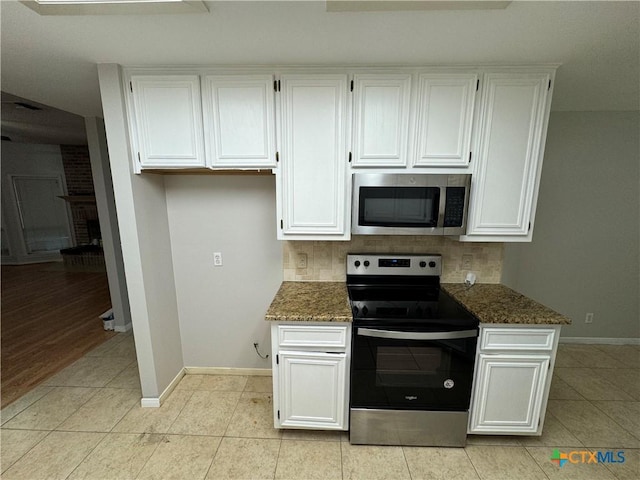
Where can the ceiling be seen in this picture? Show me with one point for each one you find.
(26, 121)
(52, 59)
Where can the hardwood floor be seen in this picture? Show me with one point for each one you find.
(49, 320)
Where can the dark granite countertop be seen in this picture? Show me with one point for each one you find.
(310, 302)
(496, 303)
(329, 302)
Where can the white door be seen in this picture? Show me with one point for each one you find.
(381, 120)
(444, 120)
(312, 390)
(509, 393)
(509, 160)
(167, 120)
(239, 119)
(312, 182)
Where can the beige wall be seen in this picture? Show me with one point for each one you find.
(585, 251)
(326, 261)
(221, 309)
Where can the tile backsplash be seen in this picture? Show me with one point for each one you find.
(326, 261)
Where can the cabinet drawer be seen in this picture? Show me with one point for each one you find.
(333, 337)
(493, 339)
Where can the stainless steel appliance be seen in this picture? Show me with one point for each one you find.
(413, 353)
(410, 204)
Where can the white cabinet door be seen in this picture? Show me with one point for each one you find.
(167, 121)
(312, 391)
(381, 120)
(313, 191)
(509, 160)
(239, 120)
(509, 393)
(445, 117)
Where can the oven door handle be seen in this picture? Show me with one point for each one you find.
(369, 332)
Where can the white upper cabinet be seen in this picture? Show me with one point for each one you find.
(167, 121)
(239, 119)
(381, 120)
(506, 176)
(312, 176)
(444, 119)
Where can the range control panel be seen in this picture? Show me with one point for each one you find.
(394, 264)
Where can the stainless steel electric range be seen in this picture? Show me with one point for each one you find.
(413, 353)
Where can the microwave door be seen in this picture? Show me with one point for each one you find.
(400, 210)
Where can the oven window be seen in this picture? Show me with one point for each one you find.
(391, 373)
(409, 366)
(399, 206)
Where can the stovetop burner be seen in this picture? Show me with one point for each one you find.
(395, 289)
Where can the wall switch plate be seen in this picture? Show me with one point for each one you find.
(301, 260)
(217, 259)
(588, 318)
(467, 260)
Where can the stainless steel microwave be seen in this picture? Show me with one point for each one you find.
(410, 204)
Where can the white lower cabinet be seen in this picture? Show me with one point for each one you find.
(512, 379)
(311, 376)
(311, 389)
(510, 393)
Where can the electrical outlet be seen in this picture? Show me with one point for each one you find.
(467, 261)
(217, 259)
(301, 261)
(588, 318)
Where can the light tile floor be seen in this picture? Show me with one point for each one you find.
(86, 422)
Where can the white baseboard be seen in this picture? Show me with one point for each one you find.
(258, 372)
(150, 402)
(122, 329)
(600, 341)
(155, 402)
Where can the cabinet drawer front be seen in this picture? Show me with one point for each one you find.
(492, 339)
(333, 337)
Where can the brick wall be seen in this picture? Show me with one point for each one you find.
(77, 172)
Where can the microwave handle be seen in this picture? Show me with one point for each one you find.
(441, 207)
(370, 332)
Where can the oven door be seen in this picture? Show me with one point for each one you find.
(412, 368)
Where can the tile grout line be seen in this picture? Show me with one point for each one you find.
(275, 469)
(149, 457)
(232, 414)
(471, 462)
(25, 453)
(87, 455)
(19, 412)
(536, 462)
(634, 435)
(406, 462)
(341, 461)
(181, 410)
(213, 459)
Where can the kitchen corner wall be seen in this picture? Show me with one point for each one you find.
(585, 253)
(326, 261)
